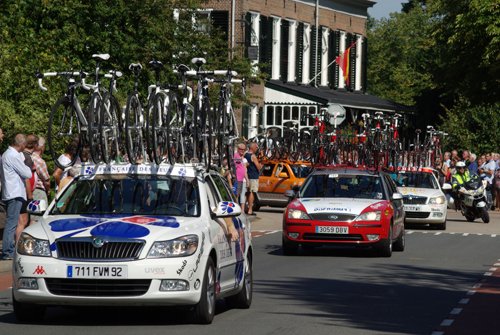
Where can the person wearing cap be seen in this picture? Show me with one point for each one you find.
(459, 179)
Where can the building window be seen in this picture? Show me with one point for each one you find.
(292, 49)
(275, 65)
(324, 56)
(306, 54)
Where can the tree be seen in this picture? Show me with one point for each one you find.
(451, 49)
(400, 56)
(60, 35)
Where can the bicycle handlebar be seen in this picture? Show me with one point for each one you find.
(68, 74)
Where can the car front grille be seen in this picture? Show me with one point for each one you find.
(332, 217)
(84, 249)
(412, 200)
(332, 237)
(98, 287)
(417, 215)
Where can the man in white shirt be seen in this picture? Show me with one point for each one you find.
(14, 173)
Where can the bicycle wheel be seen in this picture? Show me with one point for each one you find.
(108, 129)
(173, 130)
(206, 127)
(63, 128)
(94, 112)
(133, 130)
(159, 133)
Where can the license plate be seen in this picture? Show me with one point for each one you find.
(332, 230)
(411, 208)
(96, 271)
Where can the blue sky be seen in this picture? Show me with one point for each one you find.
(383, 7)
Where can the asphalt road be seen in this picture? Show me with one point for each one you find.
(445, 282)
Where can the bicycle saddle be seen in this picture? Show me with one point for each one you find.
(182, 68)
(100, 56)
(135, 67)
(199, 61)
(156, 64)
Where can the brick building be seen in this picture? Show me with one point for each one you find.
(296, 42)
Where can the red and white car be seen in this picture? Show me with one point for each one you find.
(345, 206)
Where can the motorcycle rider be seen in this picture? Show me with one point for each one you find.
(458, 180)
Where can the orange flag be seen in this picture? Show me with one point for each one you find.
(343, 61)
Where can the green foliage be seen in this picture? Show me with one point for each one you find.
(59, 35)
(473, 127)
(445, 57)
(398, 61)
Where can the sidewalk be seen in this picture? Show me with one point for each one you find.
(5, 266)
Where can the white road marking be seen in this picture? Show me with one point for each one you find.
(456, 311)
(447, 322)
(464, 301)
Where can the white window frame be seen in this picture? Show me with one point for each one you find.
(275, 61)
(359, 57)
(292, 50)
(306, 54)
(343, 38)
(325, 32)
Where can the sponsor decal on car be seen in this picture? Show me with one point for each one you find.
(39, 270)
(179, 270)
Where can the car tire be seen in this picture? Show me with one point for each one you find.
(243, 299)
(385, 246)
(289, 248)
(400, 243)
(441, 226)
(204, 310)
(28, 313)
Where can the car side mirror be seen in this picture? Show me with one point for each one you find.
(37, 207)
(397, 196)
(283, 175)
(290, 194)
(227, 209)
(446, 187)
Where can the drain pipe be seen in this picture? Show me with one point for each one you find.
(316, 45)
(233, 9)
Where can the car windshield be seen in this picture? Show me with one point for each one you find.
(417, 179)
(142, 195)
(301, 171)
(342, 186)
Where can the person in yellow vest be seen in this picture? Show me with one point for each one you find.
(458, 180)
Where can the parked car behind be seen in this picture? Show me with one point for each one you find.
(276, 178)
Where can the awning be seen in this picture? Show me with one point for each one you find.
(288, 93)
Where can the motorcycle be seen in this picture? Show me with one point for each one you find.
(473, 200)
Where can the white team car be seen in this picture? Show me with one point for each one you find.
(424, 201)
(134, 235)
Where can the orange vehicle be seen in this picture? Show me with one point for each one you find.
(276, 177)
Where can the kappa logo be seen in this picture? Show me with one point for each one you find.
(39, 270)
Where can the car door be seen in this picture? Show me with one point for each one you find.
(397, 204)
(266, 178)
(226, 249)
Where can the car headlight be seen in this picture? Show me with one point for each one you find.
(297, 214)
(30, 246)
(179, 247)
(369, 216)
(437, 200)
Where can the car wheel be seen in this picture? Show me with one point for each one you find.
(400, 243)
(28, 313)
(385, 246)
(289, 248)
(244, 298)
(441, 226)
(204, 310)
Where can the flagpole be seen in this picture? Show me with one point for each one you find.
(326, 68)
